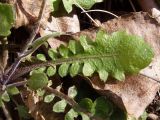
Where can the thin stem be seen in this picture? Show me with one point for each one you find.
(132, 5)
(97, 10)
(30, 40)
(88, 15)
(150, 77)
(24, 70)
(16, 84)
(6, 112)
(71, 102)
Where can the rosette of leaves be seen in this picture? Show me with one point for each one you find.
(115, 55)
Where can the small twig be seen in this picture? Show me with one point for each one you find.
(132, 5)
(88, 15)
(16, 84)
(29, 42)
(97, 10)
(6, 112)
(150, 77)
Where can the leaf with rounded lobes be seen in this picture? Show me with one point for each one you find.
(13, 90)
(63, 69)
(75, 47)
(103, 74)
(87, 104)
(7, 18)
(41, 57)
(119, 75)
(5, 97)
(102, 108)
(59, 106)
(37, 81)
(72, 92)
(71, 115)
(88, 69)
(52, 53)
(64, 51)
(49, 98)
(51, 71)
(74, 69)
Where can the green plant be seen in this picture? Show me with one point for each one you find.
(106, 55)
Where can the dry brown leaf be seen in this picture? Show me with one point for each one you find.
(27, 11)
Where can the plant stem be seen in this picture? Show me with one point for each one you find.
(71, 102)
(29, 42)
(6, 112)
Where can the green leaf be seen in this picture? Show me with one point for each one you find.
(23, 112)
(64, 51)
(37, 81)
(7, 18)
(68, 5)
(143, 116)
(103, 74)
(51, 71)
(115, 55)
(119, 75)
(49, 98)
(86, 103)
(71, 115)
(13, 90)
(102, 108)
(60, 106)
(88, 69)
(74, 69)
(63, 70)
(87, 4)
(40, 92)
(5, 97)
(84, 117)
(56, 4)
(72, 92)
(52, 53)
(41, 57)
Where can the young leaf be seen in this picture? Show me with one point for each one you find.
(87, 4)
(52, 53)
(88, 69)
(102, 108)
(68, 5)
(60, 106)
(23, 112)
(74, 69)
(49, 98)
(37, 81)
(64, 51)
(40, 92)
(7, 18)
(119, 75)
(41, 57)
(5, 97)
(72, 92)
(71, 115)
(51, 71)
(84, 117)
(86, 103)
(103, 74)
(63, 70)
(13, 90)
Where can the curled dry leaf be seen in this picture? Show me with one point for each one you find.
(27, 11)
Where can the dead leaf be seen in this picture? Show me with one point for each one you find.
(27, 11)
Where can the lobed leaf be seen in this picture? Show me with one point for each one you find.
(37, 81)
